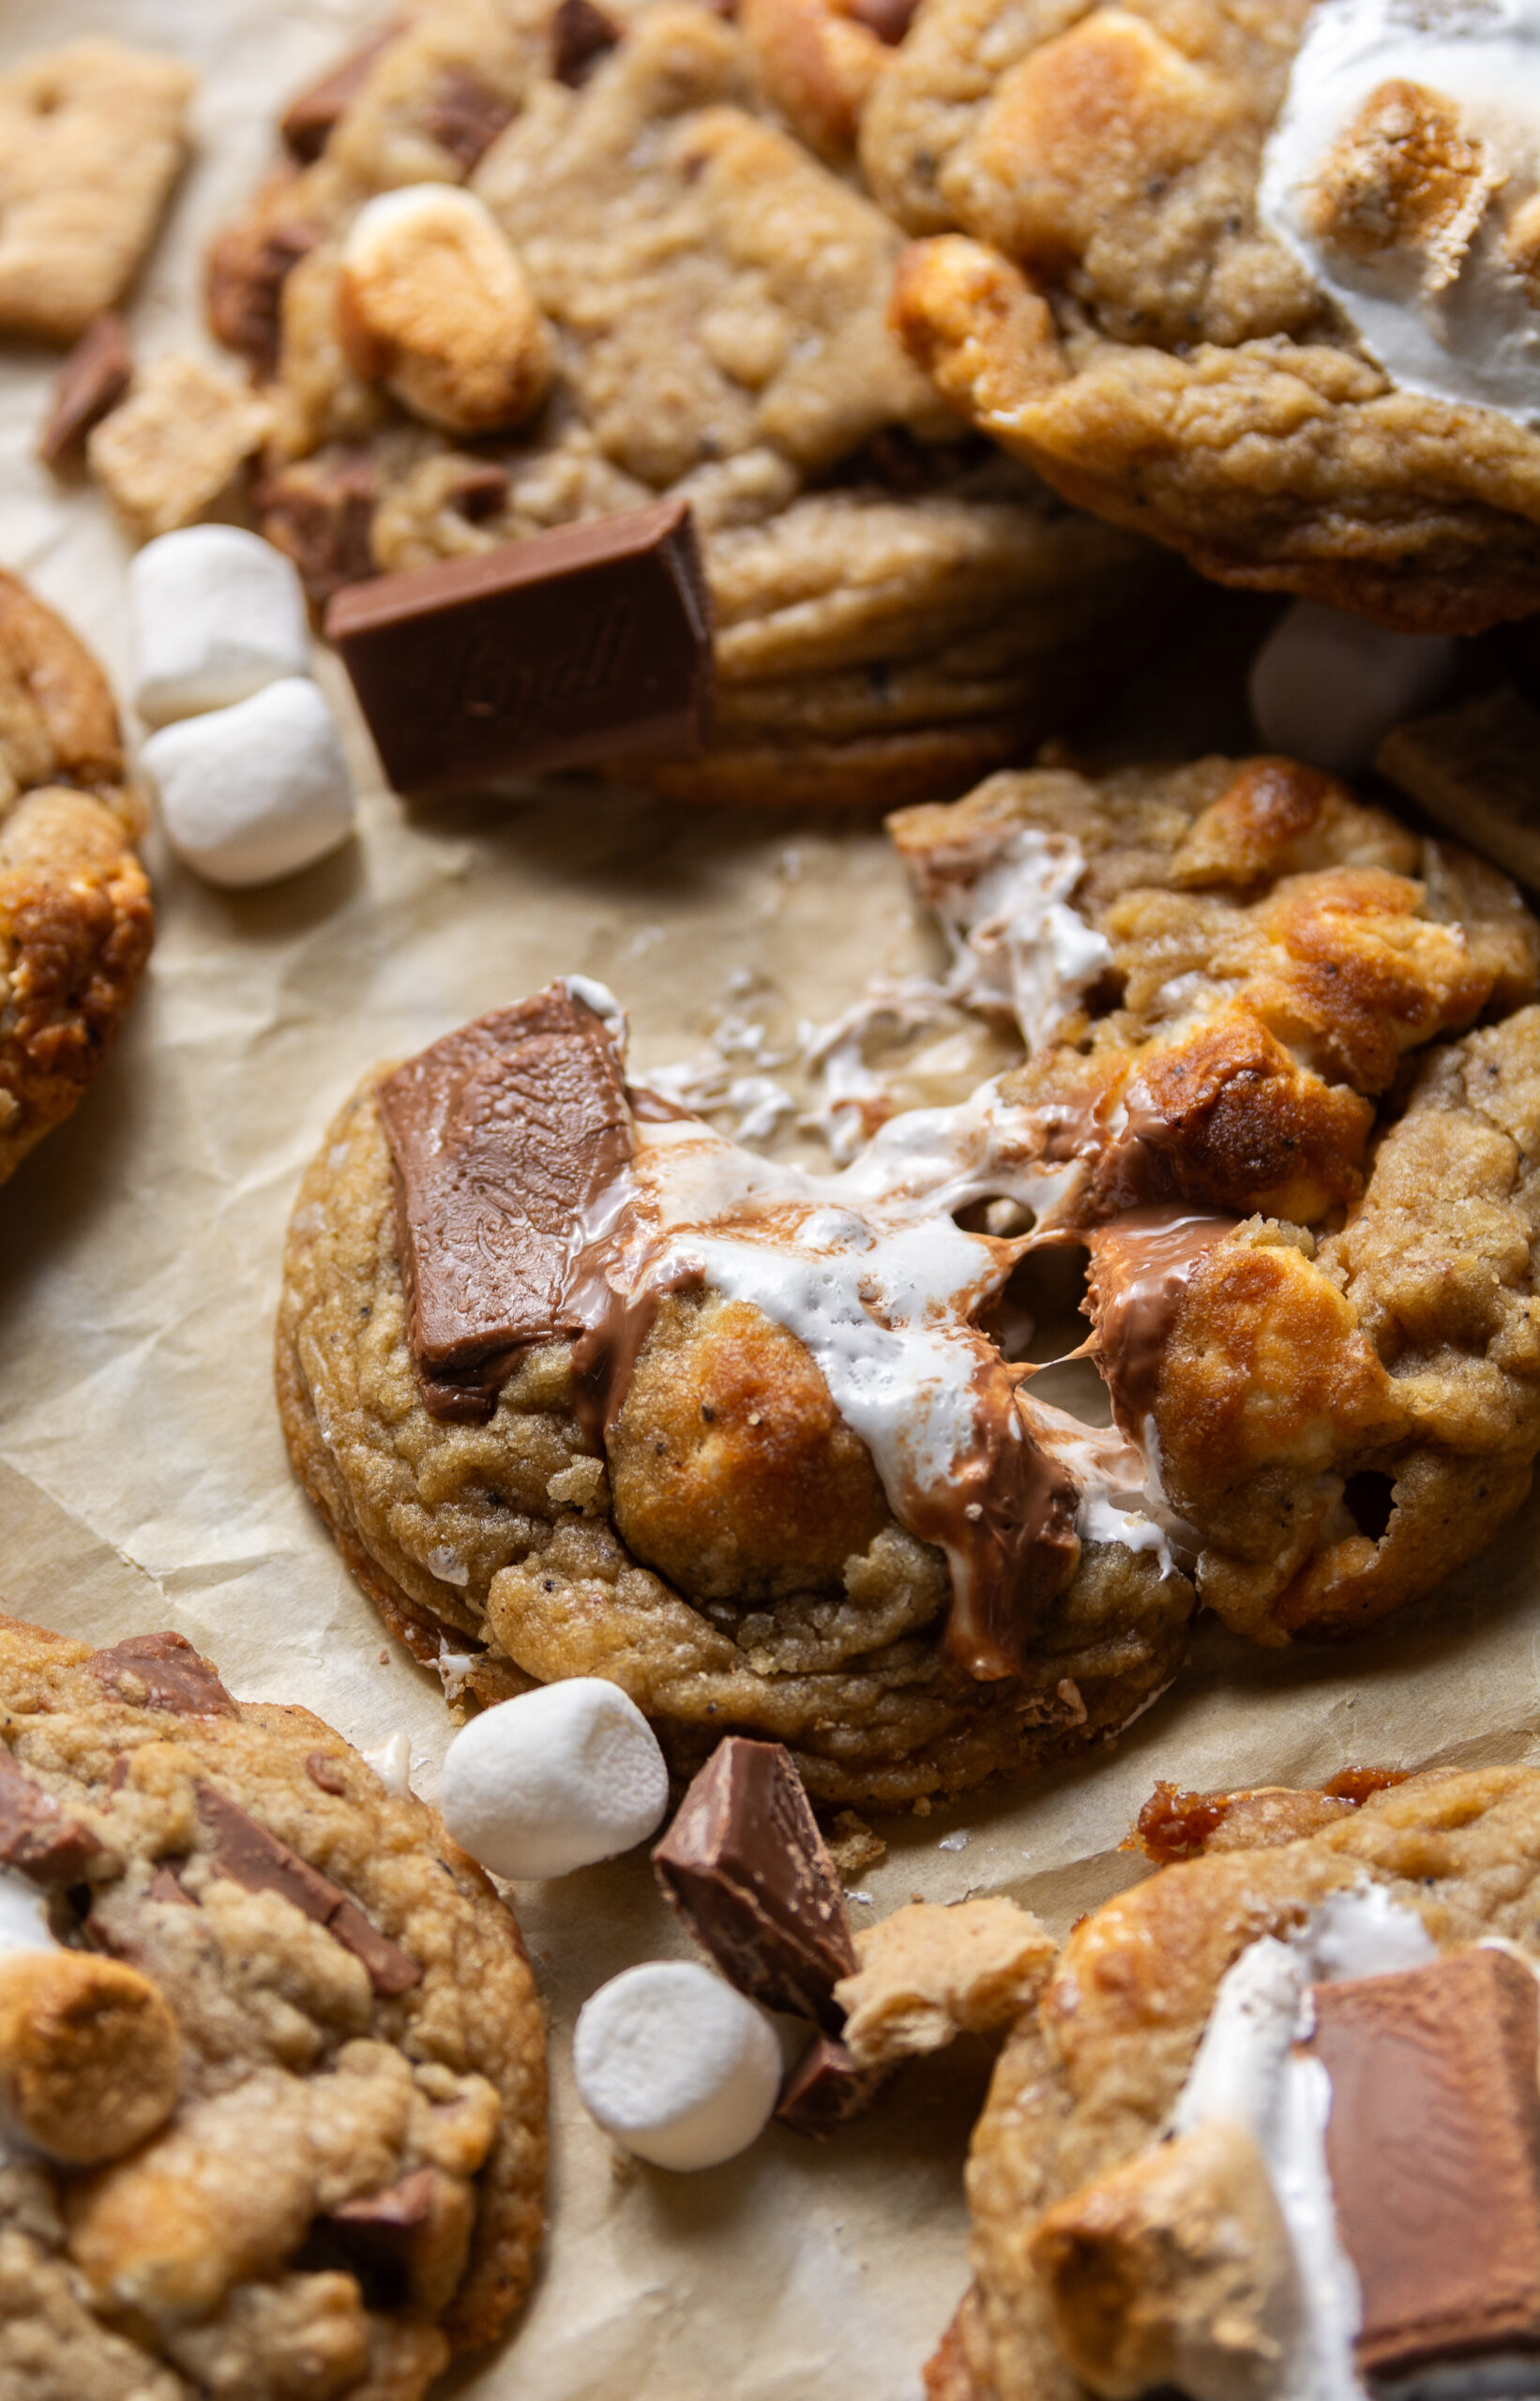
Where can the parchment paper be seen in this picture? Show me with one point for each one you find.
(142, 1480)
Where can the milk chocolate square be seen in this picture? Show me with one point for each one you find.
(1433, 2145)
(555, 651)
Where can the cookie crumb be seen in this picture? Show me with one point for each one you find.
(853, 1847)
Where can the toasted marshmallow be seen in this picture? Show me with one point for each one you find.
(556, 1779)
(254, 792)
(216, 613)
(1404, 169)
(674, 2063)
(1327, 686)
(434, 303)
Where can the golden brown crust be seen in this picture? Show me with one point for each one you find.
(76, 920)
(1087, 2081)
(281, 2028)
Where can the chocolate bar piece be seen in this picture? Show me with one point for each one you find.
(503, 1137)
(162, 1671)
(308, 119)
(826, 2089)
(745, 1865)
(257, 1860)
(92, 380)
(556, 652)
(35, 1834)
(1433, 2145)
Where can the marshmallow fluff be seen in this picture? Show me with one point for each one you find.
(1440, 277)
(675, 2065)
(1327, 687)
(217, 614)
(254, 792)
(555, 1779)
(1248, 2071)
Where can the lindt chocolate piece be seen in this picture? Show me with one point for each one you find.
(465, 116)
(826, 2089)
(1433, 2145)
(503, 1137)
(162, 1671)
(250, 1856)
(554, 652)
(92, 380)
(310, 115)
(35, 1834)
(745, 1865)
(409, 2239)
(580, 36)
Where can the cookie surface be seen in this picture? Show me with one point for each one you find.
(1089, 2080)
(897, 605)
(91, 141)
(75, 913)
(1102, 294)
(361, 2103)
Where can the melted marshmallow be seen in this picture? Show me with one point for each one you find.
(1248, 2070)
(1016, 943)
(1455, 321)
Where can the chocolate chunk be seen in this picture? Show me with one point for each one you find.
(504, 1138)
(480, 491)
(889, 19)
(255, 1859)
(554, 652)
(465, 116)
(308, 119)
(166, 1885)
(324, 1772)
(35, 1834)
(320, 511)
(580, 36)
(407, 2241)
(248, 268)
(167, 1672)
(745, 1865)
(92, 380)
(1433, 2145)
(826, 2089)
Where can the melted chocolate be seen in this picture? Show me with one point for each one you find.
(1433, 2145)
(507, 1138)
(1141, 1266)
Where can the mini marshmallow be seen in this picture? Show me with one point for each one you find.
(555, 1779)
(1327, 687)
(674, 2064)
(251, 793)
(217, 614)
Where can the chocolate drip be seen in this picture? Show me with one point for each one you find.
(510, 1140)
(1141, 1266)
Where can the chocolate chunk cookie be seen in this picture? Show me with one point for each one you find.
(897, 605)
(1258, 283)
(313, 2157)
(75, 915)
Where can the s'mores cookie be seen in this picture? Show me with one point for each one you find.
(272, 2064)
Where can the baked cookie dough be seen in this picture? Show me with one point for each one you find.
(75, 913)
(1134, 2223)
(899, 605)
(315, 2161)
(91, 138)
(1310, 1214)
(1283, 318)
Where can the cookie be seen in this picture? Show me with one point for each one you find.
(899, 605)
(1310, 1248)
(676, 1479)
(318, 2163)
(91, 138)
(75, 915)
(1210, 293)
(1229, 2045)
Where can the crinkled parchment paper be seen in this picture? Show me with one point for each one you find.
(142, 1480)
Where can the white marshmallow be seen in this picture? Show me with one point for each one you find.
(554, 1780)
(217, 614)
(24, 1916)
(251, 793)
(1326, 686)
(674, 2063)
(392, 1762)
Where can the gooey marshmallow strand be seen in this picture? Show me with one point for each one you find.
(1248, 2072)
(1475, 337)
